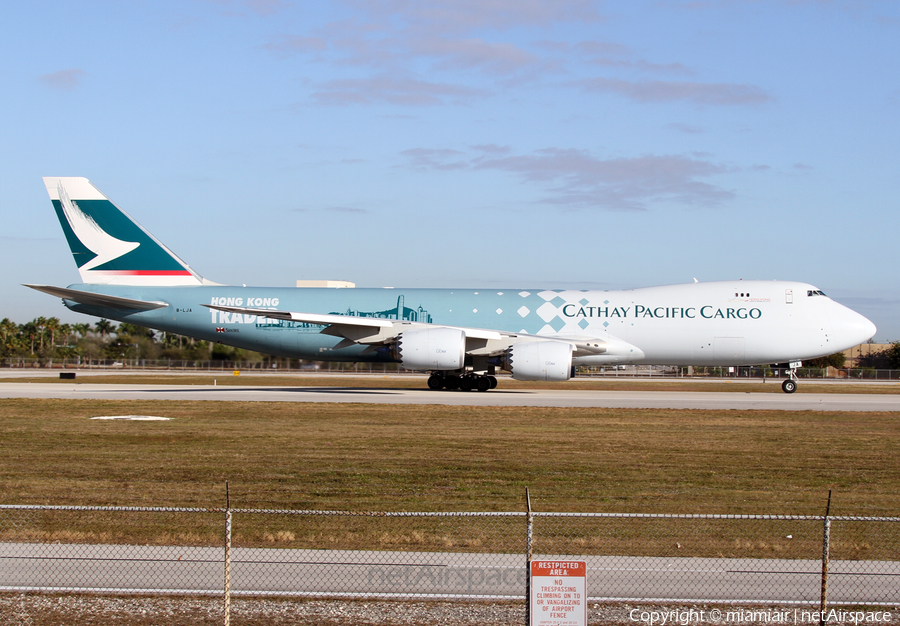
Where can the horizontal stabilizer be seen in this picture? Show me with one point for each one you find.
(99, 299)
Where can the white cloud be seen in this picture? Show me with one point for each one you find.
(266, 7)
(492, 148)
(288, 44)
(576, 179)
(346, 209)
(260, 8)
(395, 36)
(471, 40)
(670, 91)
(438, 159)
(385, 88)
(467, 54)
(467, 15)
(689, 129)
(65, 80)
(614, 55)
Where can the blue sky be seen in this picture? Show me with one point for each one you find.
(464, 143)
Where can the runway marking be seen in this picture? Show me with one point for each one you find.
(132, 418)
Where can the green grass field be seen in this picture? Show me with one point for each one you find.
(438, 458)
(381, 457)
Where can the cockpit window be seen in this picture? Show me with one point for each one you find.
(815, 292)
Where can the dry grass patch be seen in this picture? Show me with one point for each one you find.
(386, 457)
(439, 458)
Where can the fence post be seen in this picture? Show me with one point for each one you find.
(227, 556)
(529, 536)
(826, 546)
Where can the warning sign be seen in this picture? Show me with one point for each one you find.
(558, 595)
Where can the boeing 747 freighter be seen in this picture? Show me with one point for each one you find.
(460, 336)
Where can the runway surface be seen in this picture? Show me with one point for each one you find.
(356, 573)
(498, 397)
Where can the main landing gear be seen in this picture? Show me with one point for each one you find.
(463, 382)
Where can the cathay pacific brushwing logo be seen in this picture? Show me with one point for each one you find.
(106, 247)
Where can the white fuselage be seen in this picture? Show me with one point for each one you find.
(716, 323)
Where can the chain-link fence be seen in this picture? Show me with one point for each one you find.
(728, 558)
(478, 556)
(111, 549)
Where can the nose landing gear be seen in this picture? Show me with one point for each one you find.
(790, 384)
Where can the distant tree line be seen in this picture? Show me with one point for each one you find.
(885, 359)
(838, 360)
(47, 338)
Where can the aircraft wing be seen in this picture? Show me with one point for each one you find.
(355, 329)
(99, 299)
(374, 331)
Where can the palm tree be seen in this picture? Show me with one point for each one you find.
(30, 331)
(104, 327)
(40, 323)
(66, 331)
(8, 329)
(53, 325)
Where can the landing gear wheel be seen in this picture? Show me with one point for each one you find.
(789, 386)
(493, 381)
(451, 382)
(482, 383)
(435, 382)
(466, 383)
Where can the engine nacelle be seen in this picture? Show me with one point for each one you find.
(431, 349)
(539, 360)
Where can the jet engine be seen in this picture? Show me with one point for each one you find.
(539, 360)
(431, 349)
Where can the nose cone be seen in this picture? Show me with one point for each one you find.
(869, 329)
(852, 329)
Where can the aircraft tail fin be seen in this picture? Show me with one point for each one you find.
(109, 246)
